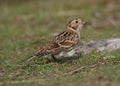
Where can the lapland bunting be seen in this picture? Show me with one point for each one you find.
(64, 41)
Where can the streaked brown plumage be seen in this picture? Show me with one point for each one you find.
(64, 41)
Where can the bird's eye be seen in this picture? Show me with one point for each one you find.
(76, 21)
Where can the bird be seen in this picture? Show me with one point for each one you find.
(65, 41)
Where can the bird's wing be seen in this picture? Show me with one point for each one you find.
(66, 39)
(62, 41)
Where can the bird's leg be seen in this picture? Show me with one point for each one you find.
(54, 58)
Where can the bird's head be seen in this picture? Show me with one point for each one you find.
(75, 25)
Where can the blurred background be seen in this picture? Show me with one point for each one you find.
(25, 25)
(28, 18)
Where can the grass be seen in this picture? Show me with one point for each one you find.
(26, 26)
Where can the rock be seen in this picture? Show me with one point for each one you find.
(99, 46)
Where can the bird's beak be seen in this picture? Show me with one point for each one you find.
(83, 23)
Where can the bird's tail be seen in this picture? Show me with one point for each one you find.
(39, 54)
(29, 58)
